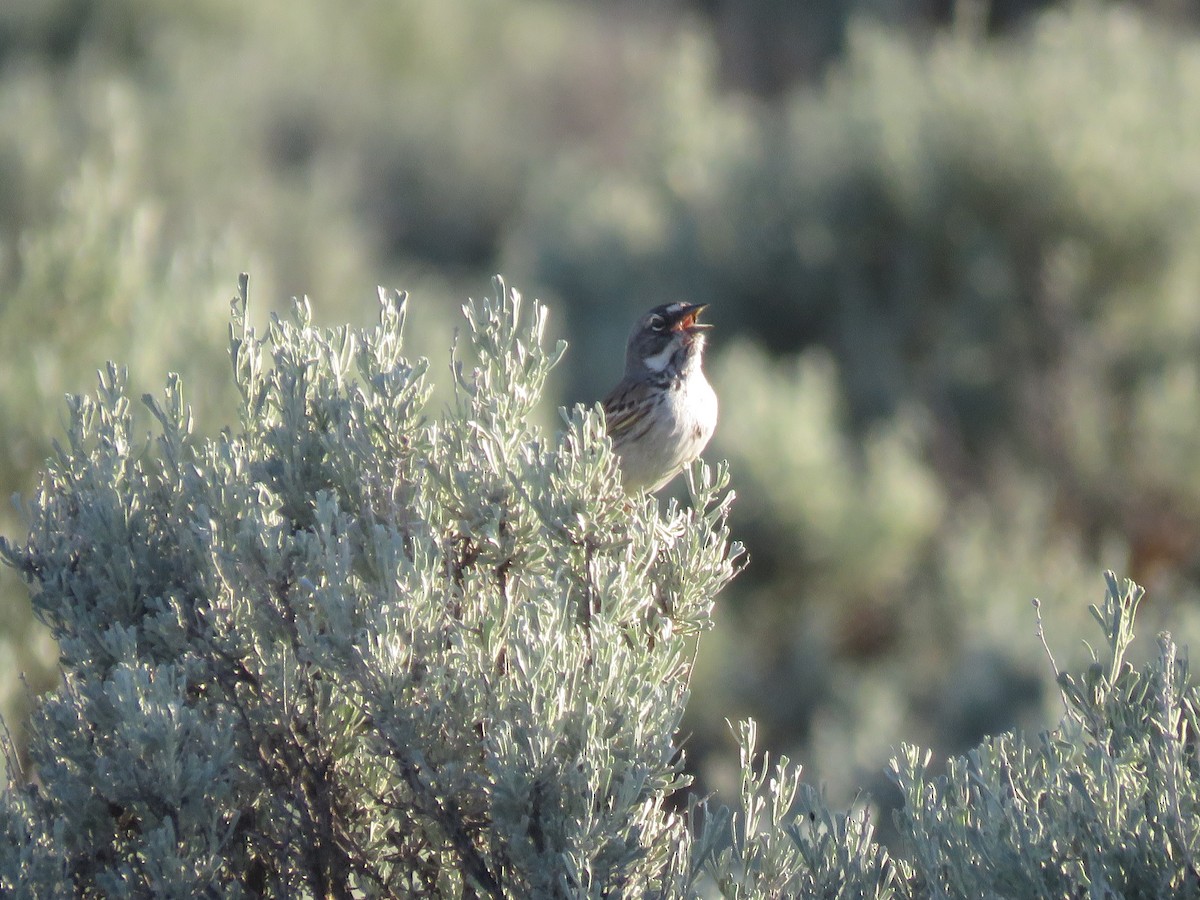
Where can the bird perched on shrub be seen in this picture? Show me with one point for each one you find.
(662, 413)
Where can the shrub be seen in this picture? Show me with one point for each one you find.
(348, 648)
(345, 647)
(1108, 805)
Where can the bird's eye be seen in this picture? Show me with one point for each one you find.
(657, 323)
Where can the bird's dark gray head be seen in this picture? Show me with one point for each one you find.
(666, 339)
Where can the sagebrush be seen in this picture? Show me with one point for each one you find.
(356, 646)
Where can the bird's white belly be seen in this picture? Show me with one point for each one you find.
(686, 422)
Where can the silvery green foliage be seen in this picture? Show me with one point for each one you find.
(781, 840)
(1108, 805)
(352, 649)
(346, 649)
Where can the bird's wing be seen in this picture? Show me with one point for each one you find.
(624, 408)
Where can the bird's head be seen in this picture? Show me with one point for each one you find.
(667, 337)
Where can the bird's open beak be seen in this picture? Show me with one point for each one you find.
(687, 322)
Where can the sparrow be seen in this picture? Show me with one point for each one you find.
(663, 411)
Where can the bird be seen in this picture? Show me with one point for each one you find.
(662, 413)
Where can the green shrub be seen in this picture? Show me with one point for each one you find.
(1108, 805)
(348, 647)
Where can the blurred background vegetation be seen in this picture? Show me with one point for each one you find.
(951, 247)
